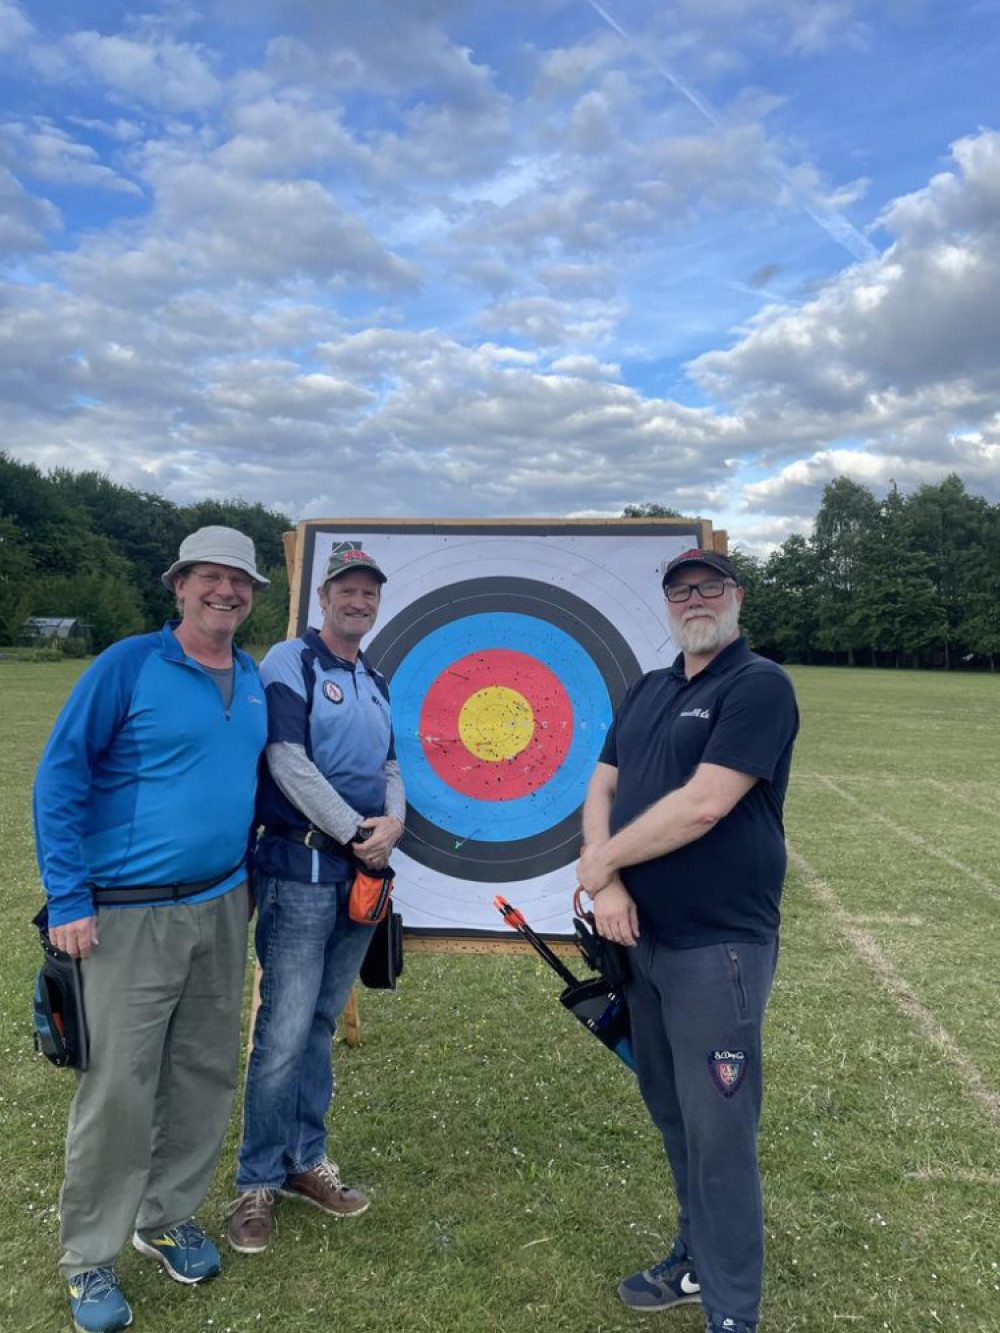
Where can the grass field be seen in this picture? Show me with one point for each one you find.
(514, 1173)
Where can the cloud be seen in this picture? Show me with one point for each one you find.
(24, 218)
(275, 389)
(209, 228)
(15, 26)
(281, 136)
(907, 338)
(50, 154)
(797, 488)
(172, 76)
(549, 323)
(458, 257)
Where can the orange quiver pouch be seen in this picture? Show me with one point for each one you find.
(368, 901)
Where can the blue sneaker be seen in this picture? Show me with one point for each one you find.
(673, 1281)
(96, 1301)
(717, 1323)
(184, 1251)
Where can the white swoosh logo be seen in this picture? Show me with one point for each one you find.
(689, 1286)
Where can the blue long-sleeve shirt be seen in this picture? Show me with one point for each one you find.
(147, 779)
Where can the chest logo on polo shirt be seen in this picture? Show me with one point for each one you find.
(706, 713)
(333, 692)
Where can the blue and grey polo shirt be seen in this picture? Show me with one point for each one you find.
(339, 712)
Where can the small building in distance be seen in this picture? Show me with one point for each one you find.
(71, 631)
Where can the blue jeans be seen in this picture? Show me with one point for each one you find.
(309, 952)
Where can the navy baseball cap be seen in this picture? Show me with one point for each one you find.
(698, 556)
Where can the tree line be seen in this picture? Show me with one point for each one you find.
(77, 544)
(893, 581)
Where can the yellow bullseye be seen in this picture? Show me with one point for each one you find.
(496, 723)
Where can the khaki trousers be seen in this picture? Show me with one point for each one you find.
(162, 993)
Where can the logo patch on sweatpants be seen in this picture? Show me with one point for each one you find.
(728, 1070)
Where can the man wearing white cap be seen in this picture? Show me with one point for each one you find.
(144, 802)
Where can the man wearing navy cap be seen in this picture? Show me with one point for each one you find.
(330, 797)
(684, 856)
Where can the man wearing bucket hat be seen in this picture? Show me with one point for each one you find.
(330, 797)
(144, 802)
(685, 857)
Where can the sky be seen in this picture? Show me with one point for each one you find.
(449, 258)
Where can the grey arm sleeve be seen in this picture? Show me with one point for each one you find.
(308, 790)
(395, 793)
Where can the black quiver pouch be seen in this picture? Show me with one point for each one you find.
(601, 955)
(383, 963)
(60, 1020)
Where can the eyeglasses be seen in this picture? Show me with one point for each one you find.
(238, 581)
(709, 588)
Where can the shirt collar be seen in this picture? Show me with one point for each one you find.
(318, 644)
(732, 653)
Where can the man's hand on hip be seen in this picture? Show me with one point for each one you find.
(77, 938)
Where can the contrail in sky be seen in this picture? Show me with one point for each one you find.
(836, 226)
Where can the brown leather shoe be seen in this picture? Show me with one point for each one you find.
(322, 1187)
(251, 1221)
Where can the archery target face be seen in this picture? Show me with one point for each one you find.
(503, 690)
(506, 654)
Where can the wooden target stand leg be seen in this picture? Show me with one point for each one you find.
(350, 1019)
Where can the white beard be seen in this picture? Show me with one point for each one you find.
(708, 630)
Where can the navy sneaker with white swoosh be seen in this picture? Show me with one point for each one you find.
(673, 1281)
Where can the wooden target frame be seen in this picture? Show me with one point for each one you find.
(452, 580)
(480, 589)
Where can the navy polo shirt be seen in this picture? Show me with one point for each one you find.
(740, 713)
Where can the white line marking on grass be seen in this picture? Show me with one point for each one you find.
(957, 1175)
(870, 953)
(954, 791)
(957, 794)
(886, 919)
(915, 840)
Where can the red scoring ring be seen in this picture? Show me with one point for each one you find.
(505, 779)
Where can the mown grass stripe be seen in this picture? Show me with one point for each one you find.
(915, 840)
(955, 793)
(955, 1175)
(872, 955)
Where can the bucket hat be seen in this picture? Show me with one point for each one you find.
(215, 546)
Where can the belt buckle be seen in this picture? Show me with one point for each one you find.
(308, 839)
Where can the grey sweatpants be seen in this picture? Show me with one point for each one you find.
(696, 1029)
(162, 993)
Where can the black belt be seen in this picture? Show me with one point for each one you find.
(155, 893)
(311, 838)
